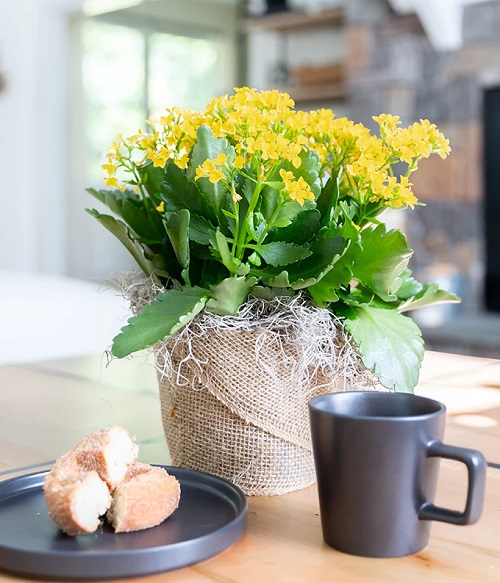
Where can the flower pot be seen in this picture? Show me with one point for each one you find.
(234, 392)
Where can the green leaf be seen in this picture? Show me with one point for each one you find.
(382, 259)
(328, 199)
(208, 147)
(282, 253)
(256, 226)
(269, 293)
(325, 290)
(268, 199)
(132, 209)
(229, 295)
(289, 210)
(178, 192)
(300, 230)
(213, 273)
(177, 226)
(126, 237)
(410, 286)
(234, 265)
(390, 344)
(308, 271)
(201, 230)
(158, 320)
(152, 177)
(430, 294)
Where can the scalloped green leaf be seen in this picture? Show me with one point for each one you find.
(325, 290)
(307, 272)
(301, 229)
(390, 344)
(382, 259)
(126, 237)
(282, 253)
(269, 293)
(157, 321)
(430, 294)
(268, 199)
(201, 230)
(178, 192)
(228, 296)
(177, 227)
(152, 177)
(131, 208)
(328, 199)
(410, 286)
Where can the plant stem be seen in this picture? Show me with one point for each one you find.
(240, 244)
(269, 225)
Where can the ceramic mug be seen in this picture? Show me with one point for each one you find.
(377, 460)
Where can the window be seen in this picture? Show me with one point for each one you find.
(130, 75)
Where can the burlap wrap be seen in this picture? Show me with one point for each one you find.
(246, 425)
(234, 392)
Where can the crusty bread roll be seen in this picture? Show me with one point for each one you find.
(146, 497)
(101, 474)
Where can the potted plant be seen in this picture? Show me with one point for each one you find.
(253, 217)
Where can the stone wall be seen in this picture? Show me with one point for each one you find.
(394, 69)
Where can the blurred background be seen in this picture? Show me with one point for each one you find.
(75, 73)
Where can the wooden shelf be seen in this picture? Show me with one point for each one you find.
(311, 93)
(285, 21)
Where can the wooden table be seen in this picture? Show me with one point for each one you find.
(45, 408)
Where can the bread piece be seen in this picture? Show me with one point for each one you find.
(109, 452)
(76, 501)
(147, 496)
(77, 488)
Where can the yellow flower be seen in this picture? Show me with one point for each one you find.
(220, 159)
(212, 169)
(111, 181)
(110, 168)
(265, 131)
(161, 207)
(239, 161)
(387, 121)
(298, 189)
(235, 196)
(286, 175)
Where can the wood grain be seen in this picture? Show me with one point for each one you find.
(44, 409)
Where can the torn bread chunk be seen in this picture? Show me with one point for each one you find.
(146, 497)
(77, 501)
(109, 452)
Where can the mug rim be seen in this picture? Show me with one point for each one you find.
(314, 406)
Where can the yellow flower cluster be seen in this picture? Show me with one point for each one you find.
(297, 190)
(212, 169)
(266, 132)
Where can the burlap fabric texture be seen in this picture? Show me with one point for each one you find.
(234, 391)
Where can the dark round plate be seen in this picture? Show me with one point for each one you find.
(212, 515)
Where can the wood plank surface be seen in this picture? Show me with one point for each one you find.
(47, 407)
(43, 414)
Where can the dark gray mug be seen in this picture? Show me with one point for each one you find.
(377, 461)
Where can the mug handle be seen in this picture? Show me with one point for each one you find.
(476, 466)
